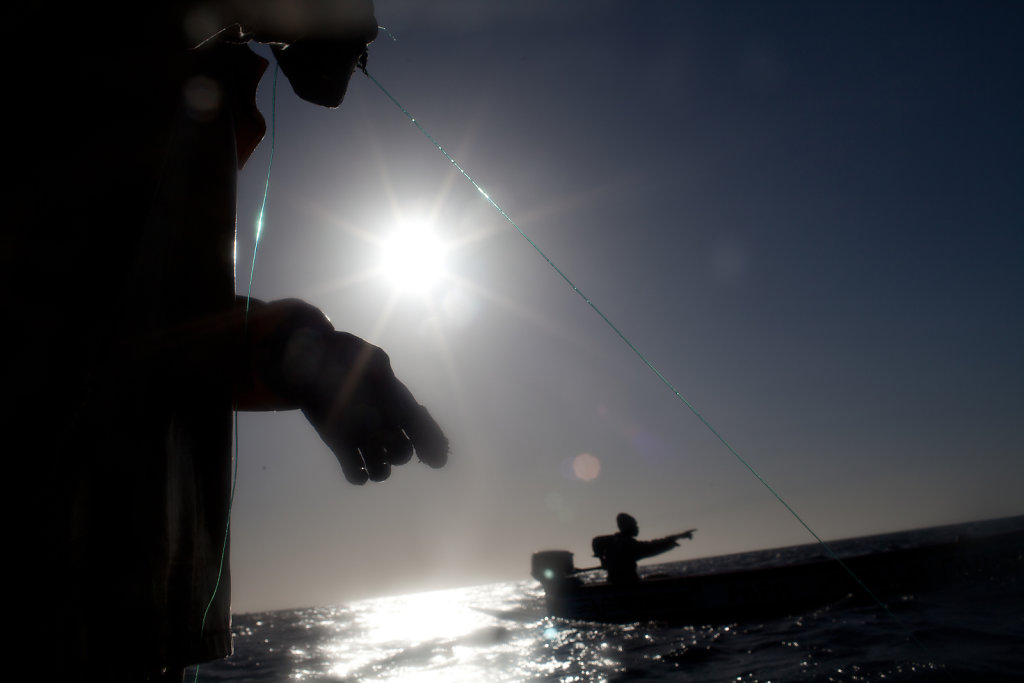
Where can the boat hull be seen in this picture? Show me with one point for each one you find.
(741, 595)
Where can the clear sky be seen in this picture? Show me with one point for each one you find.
(807, 215)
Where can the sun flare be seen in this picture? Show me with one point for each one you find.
(412, 258)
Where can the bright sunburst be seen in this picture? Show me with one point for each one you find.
(412, 258)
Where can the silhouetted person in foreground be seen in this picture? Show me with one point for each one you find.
(127, 348)
(620, 552)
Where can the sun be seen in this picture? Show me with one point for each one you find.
(412, 258)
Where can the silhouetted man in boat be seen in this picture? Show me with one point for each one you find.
(619, 552)
(127, 347)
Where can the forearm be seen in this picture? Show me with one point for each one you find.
(656, 547)
(269, 336)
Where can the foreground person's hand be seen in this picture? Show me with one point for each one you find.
(345, 388)
(367, 417)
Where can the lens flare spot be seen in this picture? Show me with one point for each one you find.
(586, 467)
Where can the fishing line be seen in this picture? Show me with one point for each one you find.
(266, 186)
(245, 327)
(664, 380)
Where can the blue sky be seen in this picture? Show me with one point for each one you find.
(806, 215)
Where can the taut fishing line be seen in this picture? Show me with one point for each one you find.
(248, 298)
(664, 380)
(266, 187)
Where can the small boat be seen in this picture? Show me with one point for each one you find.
(773, 589)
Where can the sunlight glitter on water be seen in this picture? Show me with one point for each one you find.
(434, 636)
(420, 616)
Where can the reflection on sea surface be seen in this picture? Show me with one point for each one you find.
(435, 636)
(971, 629)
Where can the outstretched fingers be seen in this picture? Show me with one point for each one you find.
(427, 438)
(368, 418)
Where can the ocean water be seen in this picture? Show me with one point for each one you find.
(970, 629)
